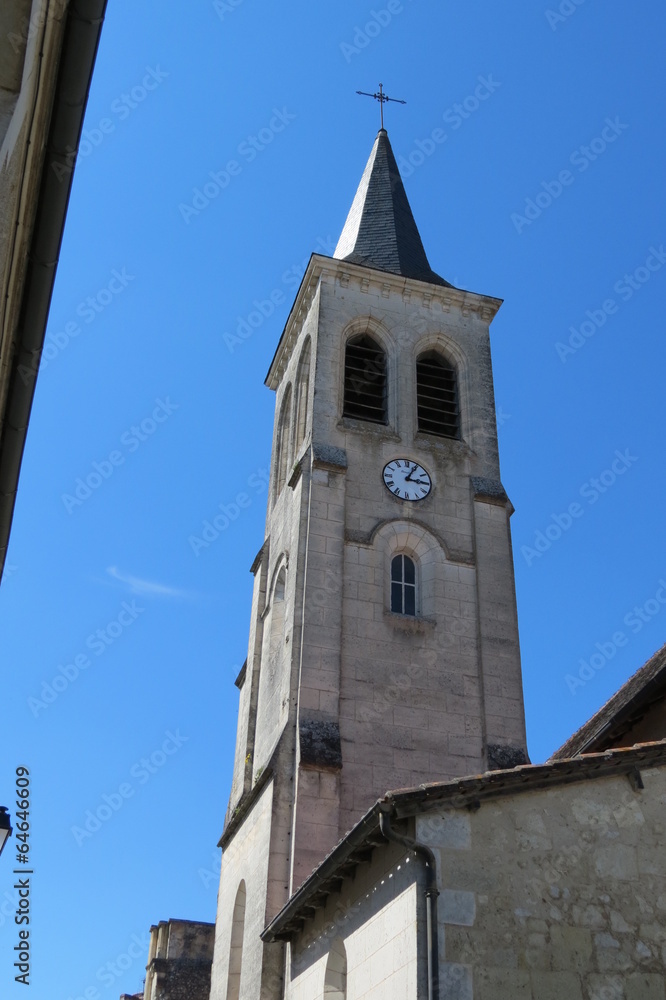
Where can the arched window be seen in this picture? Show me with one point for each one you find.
(282, 451)
(335, 981)
(302, 389)
(236, 946)
(437, 395)
(403, 585)
(365, 380)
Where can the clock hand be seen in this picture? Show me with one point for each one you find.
(408, 477)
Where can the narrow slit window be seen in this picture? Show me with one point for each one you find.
(282, 450)
(437, 396)
(403, 585)
(302, 387)
(365, 380)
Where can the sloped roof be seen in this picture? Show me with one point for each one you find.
(621, 712)
(380, 230)
(459, 793)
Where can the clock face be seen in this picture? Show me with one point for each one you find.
(406, 479)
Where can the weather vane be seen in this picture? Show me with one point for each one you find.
(382, 98)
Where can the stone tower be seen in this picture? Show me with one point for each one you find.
(383, 648)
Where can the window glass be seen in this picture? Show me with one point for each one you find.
(403, 585)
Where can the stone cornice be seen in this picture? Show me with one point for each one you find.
(438, 298)
(294, 324)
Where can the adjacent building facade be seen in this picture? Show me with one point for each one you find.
(47, 55)
(551, 882)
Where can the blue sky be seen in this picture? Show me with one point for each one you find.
(547, 191)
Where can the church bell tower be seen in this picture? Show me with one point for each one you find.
(383, 649)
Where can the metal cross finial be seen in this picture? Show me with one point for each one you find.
(382, 98)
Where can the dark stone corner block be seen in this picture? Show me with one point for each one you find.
(501, 758)
(320, 744)
(326, 456)
(490, 490)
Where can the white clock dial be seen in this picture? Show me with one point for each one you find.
(406, 479)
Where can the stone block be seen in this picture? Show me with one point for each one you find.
(457, 907)
(618, 861)
(455, 981)
(571, 948)
(645, 986)
(605, 987)
(556, 985)
(320, 744)
(503, 984)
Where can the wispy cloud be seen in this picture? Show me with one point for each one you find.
(146, 588)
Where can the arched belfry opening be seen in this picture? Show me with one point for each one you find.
(365, 380)
(437, 395)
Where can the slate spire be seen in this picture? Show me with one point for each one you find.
(380, 230)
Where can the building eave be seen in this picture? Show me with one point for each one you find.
(35, 272)
(465, 793)
(622, 710)
(304, 296)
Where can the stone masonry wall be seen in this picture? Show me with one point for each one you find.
(411, 693)
(246, 858)
(555, 894)
(375, 917)
(179, 962)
